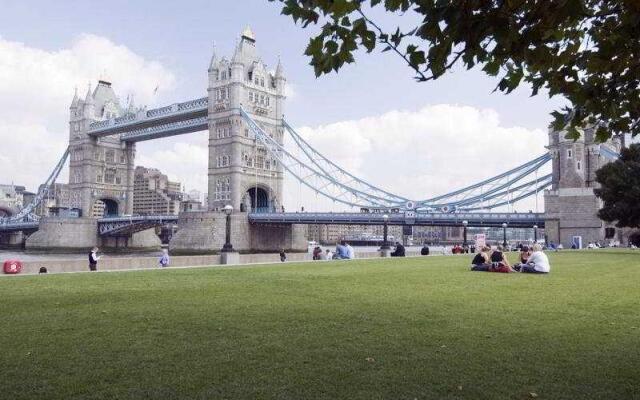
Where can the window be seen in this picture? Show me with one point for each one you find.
(110, 176)
(579, 166)
(110, 156)
(118, 180)
(224, 75)
(251, 97)
(96, 155)
(217, 75)
(569, 153)
(262, 82)
(123, 159)
(99, 178)
(223, 189)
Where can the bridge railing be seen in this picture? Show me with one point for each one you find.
(200, 104)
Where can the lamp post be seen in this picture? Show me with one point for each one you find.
(464, 232)
(504, 235)
(227, 248)
(385, 231)
(535, 234)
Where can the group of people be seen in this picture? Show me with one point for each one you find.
(532, 260)
(94, 258)
(343, 251)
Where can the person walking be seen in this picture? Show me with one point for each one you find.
(93, 259)
(164, 259)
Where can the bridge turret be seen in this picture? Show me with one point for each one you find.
(241, 173)
(571, 206)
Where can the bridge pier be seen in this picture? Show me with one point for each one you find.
(203, 232)
(81, 234)
(146, 240)
(64, 234)
(12, 240)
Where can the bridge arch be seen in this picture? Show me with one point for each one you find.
(257, 198)
(106, 207)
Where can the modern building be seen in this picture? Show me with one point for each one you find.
(154, 193)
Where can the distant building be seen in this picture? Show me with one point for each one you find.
(11, 199)
(191, 205)
(329, 234)
(154, 193)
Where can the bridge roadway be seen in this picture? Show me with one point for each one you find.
(513, 220)
(117, 226)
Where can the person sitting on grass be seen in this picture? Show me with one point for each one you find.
(481, 261)
(351, 253)
(524, 254)
(499, 261)
(537, 263)
(425, 250)
(341, 252)
(399, 251)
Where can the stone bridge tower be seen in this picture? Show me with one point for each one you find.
(241, 172)
(570, 205)
(100, 170)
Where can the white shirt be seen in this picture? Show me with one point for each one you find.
(540, 261)
(328, 255)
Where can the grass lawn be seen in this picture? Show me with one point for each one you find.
(418, 328)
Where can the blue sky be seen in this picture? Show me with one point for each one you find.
(450, 126)
(179, 34)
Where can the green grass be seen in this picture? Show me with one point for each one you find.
(419, 328)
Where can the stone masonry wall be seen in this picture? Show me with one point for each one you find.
(64, 234)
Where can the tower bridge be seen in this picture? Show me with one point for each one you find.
(243, 113)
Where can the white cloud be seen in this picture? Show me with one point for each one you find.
(36, 88)
(420, 154)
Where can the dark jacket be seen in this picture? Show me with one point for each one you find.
(399, 252)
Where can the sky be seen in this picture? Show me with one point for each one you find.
(414, 139)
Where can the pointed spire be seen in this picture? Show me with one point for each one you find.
(248, 34)
(279, 69)
(214, 58)
(74, 102)
(88, 99)
(236, 54)
(132, 104)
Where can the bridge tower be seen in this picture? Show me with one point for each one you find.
(241, 172)
(570, 205)
(100, 169)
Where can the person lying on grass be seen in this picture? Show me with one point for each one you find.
(537, 263)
